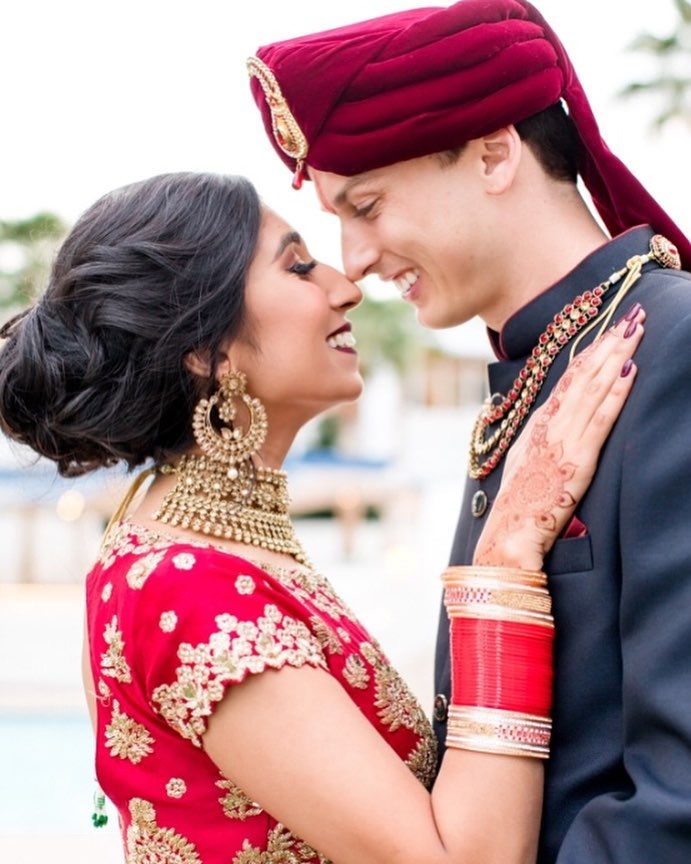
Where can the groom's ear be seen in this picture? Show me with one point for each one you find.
(500, 153)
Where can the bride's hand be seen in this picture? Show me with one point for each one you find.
(550, 466)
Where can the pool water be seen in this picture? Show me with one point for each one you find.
(46, 773)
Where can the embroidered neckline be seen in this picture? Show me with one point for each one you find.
(131, 527)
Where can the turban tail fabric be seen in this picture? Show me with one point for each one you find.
(426, 80)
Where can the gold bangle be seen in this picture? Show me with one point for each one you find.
(512, 575)
(492, 730)
(497, 593)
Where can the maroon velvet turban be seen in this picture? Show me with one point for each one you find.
(426, 80)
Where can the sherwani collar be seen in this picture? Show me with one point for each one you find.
(522, 331)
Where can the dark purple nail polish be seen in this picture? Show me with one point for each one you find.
(633, 311)
(631, 329)
(626, 368)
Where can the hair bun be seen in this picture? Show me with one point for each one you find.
(95, 373)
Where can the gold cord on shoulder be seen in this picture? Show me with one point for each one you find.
(127, 499)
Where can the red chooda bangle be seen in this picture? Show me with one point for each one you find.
(501, 664)
(501, 640)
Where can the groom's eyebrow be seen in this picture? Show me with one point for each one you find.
(348, 186)
(341, 197)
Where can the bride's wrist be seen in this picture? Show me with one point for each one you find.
(511, 551)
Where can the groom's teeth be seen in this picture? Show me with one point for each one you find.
(406, 281)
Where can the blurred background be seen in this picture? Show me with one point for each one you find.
(97, 95)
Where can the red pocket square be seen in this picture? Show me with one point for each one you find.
(575, 528)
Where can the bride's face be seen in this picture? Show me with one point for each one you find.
(297, 349)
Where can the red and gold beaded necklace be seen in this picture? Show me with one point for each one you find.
(487, 450)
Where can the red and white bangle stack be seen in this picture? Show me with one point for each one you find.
(502, 633)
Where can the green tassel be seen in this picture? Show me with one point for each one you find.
(99, 817)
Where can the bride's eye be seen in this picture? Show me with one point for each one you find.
(302, 268)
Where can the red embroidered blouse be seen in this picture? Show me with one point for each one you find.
(172, 625)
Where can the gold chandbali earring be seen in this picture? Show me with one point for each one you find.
(223, 493)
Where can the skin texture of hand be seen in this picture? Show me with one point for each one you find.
(551, 465)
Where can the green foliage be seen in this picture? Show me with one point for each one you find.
(328, 431)
(673, 83)
(386, 331)
(26, 249)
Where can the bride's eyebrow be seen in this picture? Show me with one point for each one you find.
(286, 240)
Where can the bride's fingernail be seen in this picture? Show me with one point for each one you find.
(626, 368)
(631, 329)
(633, 311)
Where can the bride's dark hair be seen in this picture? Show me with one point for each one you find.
(95, 373)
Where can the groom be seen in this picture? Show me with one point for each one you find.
(448, 142)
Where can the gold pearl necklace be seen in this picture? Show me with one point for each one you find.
(247, 505)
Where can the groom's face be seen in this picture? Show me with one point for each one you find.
(426, 227)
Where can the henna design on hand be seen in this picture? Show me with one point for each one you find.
(539, 490)
(551, 464)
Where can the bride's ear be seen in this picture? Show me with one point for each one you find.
(199, 363)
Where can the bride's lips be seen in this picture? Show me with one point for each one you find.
(342, 339)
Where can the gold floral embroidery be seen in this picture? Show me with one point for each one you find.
(226, 623)
(168, 621)
(304, 585)
(281, 848)
(355, 672)
(107, 592)
(127, 538)
(238, 648)
(244, 585)
(327, 638)
(148, 844)
(397, 705)
(126, 738)
(237, 805)
(118, 543)
(113, 663)
(422, 759)
(399, 708)
(176, 787)
(343, 633)
(184, 561)
(312, 588)
(373, 653)
(140, 571)
(103, 692)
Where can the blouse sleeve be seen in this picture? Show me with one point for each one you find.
(211, 620)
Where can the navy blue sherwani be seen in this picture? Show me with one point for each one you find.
(618, 783)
